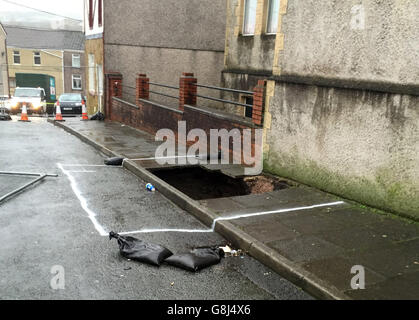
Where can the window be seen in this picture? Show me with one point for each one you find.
(249, 21)
(37, 58)
(100, 12)
(92, 88)
(76, 61)
(76, 80)
(273, 14)
(16, 57)
(91, 14)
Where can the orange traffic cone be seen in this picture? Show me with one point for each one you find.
(84, 111)
(24, 116)
(58, 115)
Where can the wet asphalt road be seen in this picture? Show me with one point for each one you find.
(47, 226)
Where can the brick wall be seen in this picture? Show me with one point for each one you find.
(151, 117)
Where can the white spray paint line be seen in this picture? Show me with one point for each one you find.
(167, 230)
(248, 215)
(240, 216)
(89, 165)
(102, 232)
(126, 159)
(83, 202)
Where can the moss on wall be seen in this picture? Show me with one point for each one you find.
(400, 197)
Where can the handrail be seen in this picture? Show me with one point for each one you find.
(163, 85)
(163, 94)
(224, 101)
(197, 95)
(222, 89)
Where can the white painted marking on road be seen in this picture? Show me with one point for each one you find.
(240, 216)
(90, 165)
(102, 231)
(167, 230)
(83, 202)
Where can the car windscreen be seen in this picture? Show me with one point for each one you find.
(21, 92)
(70, 98)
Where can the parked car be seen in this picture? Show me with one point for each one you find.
(71, 103)
(34, 98)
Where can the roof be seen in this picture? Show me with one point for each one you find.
(2, 29)
(21, 37)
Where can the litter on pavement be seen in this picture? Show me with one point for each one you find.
(150, 187)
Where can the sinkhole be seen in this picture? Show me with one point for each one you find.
(202, 184)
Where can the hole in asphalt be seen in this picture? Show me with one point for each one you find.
(202, 184)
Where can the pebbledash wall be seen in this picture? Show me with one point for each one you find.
(342, 110)
(342, 104)
(163, 39)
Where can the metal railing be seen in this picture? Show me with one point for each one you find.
(133, 95)
(224, 100)
(163, 86)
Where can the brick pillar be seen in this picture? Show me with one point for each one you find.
(187, 90)
(113, 89)
(143, 87)
(258, 102)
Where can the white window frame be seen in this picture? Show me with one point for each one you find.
(16, 55)
(35, 55)
(271, 18)
(75, 56)
(248, 15)
(73, 76)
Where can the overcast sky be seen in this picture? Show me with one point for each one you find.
(70, 8)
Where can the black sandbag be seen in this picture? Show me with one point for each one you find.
(114, 161)
(197, 259)
(138, 250)
(98, 116)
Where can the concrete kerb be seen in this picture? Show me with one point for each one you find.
(271, 258)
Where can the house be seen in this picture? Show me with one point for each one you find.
(58, 54)
(94, 61)
(341, 93)
(4, 82)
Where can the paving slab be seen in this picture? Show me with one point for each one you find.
(337, 270)
(306, 248)
(404, 287)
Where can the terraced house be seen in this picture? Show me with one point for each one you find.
(341, 93)
(57, 54)
(94, 60)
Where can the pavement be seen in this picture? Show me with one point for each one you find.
(293, 231)
(52, 224)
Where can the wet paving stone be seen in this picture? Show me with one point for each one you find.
(404, 287)
(337, 271)
(306, 248)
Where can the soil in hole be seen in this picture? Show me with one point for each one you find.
(201, 184)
